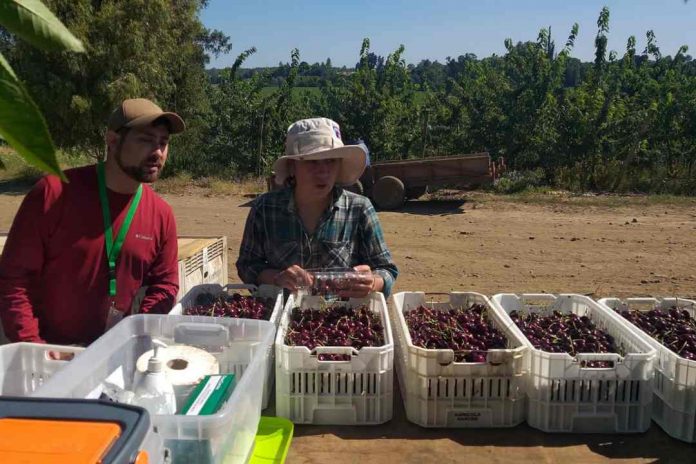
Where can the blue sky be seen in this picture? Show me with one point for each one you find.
(436, 29)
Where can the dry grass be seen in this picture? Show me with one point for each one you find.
(552, 198)
(184, 183)
(250, 185)
(22, 176)
(18, 171)
(597, 199)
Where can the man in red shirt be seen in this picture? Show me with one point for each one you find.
(78, 252)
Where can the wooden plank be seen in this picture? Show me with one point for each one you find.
(189, 246)
(454, 170)
(483, 155)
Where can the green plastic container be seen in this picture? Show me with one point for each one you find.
(273, 439)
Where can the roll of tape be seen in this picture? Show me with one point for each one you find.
(185, 366)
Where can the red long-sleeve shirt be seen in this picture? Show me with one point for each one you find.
(54, 271)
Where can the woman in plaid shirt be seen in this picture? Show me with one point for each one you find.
(313, 223)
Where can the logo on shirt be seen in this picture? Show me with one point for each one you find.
(144, 237)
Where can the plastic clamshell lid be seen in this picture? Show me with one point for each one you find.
(47, 441)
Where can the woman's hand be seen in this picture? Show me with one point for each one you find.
(365, 282)
(292, 278)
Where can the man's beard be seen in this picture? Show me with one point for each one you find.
(140, 173)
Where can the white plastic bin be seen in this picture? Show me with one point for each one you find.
(439, 392)
(355, 392)
(24, 367)
(202, 260)
(674, 402)
(562, 395)
(262, 291)
(240, 346)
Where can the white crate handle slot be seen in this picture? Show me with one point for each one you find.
(253, 289)
(498, 356)
(642, 301)
(430, 294)
(538, 297)
(445, 357)
(201, 334)
(334, 350)
(61, 350)
(611, 357)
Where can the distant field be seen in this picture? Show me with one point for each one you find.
(420, 95)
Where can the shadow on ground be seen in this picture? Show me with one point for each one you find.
(653, 444)
(16, 186)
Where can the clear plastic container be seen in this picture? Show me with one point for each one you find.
(331, 281)
(262, 291)
(240, 346)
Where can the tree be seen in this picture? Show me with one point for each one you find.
(21, 123)
(136, 48)
(248, 125)
(375, 103)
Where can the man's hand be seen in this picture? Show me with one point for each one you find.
(293, 278)
(361, 285)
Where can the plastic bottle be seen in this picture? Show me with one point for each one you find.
(154, 392)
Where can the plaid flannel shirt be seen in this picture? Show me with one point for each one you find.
(348, 234)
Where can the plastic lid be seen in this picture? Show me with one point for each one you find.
(61, 441)
(272, 441)
(332, 280)
(70, 428)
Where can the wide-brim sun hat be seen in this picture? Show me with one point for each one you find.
(316, 139)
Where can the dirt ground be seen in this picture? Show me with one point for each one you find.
(594, 246)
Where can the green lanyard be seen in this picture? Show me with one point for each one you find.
(114, 248)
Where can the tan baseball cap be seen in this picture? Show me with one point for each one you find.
(137, 112)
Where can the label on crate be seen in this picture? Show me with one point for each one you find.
(469, 417)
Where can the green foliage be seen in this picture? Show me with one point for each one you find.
(376, 103)
(519, 181)
(247, 122)
(34, 23)
(145, 48)
(623, 122)
(21, 122)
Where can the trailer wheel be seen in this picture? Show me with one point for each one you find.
(388, 193)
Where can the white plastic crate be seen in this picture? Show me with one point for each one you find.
(674, 402)
(240, 346)
(562, 395)
(439, 392)
(202, 260)
(262, 291)
(24, 367)
(355, 392)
